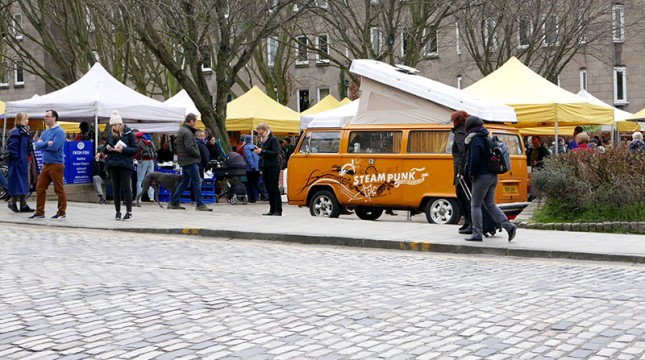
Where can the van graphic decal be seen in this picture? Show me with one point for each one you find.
(367, 183)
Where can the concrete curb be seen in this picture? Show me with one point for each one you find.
(422, 246)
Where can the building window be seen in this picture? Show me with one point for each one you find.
(376, 38)
(17, 26)
(323, 4)
(4, 75)
(302, 54)
(272, 48)
(405, 40)
(490, 34)
(550, 29)
(207, 65)
(303, 100)
(620, 85)
(618, 23)
(322, 44)
(459, 82)
(524, 28)
(457, 39)
(322, 93)
(432, 45)
(18, 74)
(583, 79)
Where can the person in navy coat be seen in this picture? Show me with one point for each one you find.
(19, 146)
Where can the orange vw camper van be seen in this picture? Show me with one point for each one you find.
(401, 167)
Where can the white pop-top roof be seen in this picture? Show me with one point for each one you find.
(399, 95)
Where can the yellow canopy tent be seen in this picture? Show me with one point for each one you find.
(639, 116)
(254, 107)
(327, 103)
(619, 115)
(537, 101)
(2, 107)
(345, 101)
(547, 131)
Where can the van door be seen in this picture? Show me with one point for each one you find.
(314, 164)
(429, 155)
(371, 168)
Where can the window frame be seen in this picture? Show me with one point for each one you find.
(618, 23)
(18, 68)
(318, 94)
(622, 70)
(545, 37)
(428, 51)
(16, 29)
(528, 33)
(376, 39)
(272, 40)
(322, 59)
(299, 47)
(584, 79)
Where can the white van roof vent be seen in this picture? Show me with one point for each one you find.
(406, 69)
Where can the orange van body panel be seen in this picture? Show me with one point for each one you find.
(391, 180)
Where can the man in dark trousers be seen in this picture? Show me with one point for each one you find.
(270, 165)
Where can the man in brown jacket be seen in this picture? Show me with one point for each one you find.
(188, 157)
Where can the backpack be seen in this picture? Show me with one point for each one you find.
(636, 147)
(146, 149)
(498, 157)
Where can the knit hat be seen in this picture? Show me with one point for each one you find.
(115, 118)
(473, 121)
(248, 138)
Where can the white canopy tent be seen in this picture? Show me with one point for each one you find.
(337, 117)
(93, 98)
(397, 95)
(619, 115)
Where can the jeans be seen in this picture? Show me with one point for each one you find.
(51, 173)
(98, 182)
(144, 168)
(190, 176)
(484, 195)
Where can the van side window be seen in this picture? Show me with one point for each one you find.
(512, 141)
(429, 142)
(377, 142)
(321, 142)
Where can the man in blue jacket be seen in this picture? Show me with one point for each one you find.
(51, 144)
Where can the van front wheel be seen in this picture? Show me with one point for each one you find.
(368, 212)
(442, 211)
(324, 203)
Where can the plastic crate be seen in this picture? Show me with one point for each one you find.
(208, 193)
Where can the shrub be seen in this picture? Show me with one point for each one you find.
(590, 182)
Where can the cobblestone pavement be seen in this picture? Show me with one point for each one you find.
(73, 293)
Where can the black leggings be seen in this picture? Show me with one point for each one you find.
(121, 181)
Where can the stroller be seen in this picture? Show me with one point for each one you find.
(228, 171)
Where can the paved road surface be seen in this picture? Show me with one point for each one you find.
(74, 293)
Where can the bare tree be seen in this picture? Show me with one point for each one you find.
(223, 36)
(544, 35)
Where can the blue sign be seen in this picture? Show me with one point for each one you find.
(78, 161)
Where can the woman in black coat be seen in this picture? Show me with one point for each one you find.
(120, 147)
(459, 159)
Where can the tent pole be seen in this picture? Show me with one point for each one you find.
(4, 131)
(556, 144)
(96, 132)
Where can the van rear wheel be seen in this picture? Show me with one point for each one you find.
(324, 204)
(442, 211)
(368, 212)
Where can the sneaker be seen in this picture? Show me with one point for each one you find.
(203, 207)
(118, 216)
(58, 217)
(175, 206)
(36, 216)
(26, 209)
(511, 233)
(13, 207)
(127, 217)
(101, 200)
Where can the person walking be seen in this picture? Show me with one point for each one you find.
(270, 165)
(188, 157)
(458, 119)
(145, 161)
(51, 143)
(120, 146)
(252, 168)
(19, 147)
(483, 181)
